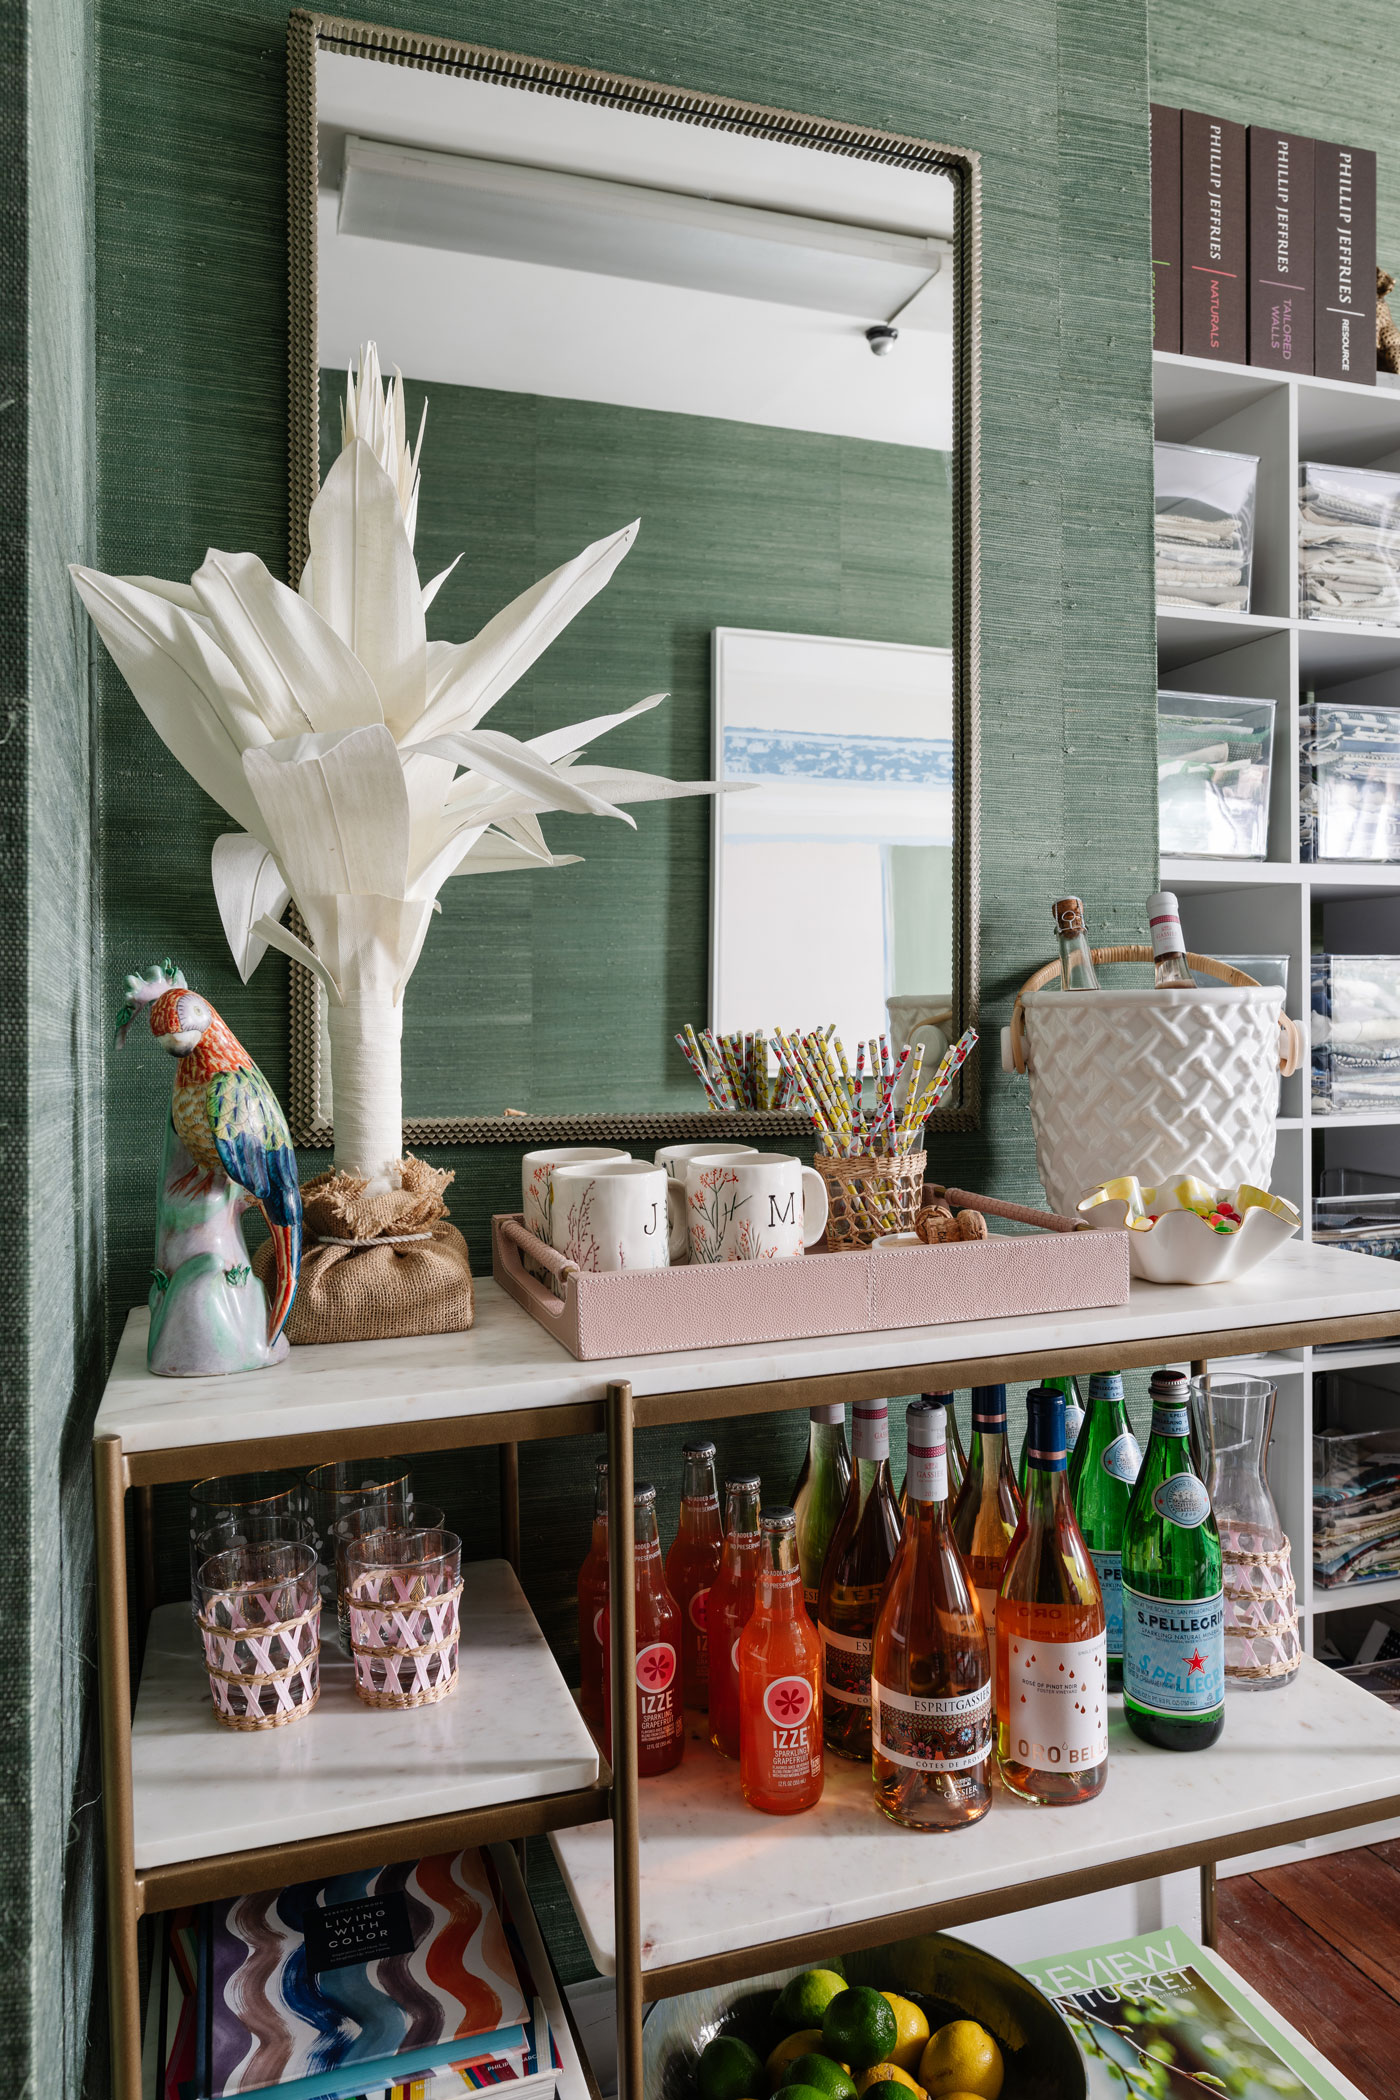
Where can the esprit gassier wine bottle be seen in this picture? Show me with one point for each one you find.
(660, 1725)
(1102, 1469)
(956, 1456)
(1052, 1658)
(691, 1567)
(780, 1682)
(1173, 1592)
(853, 1579)
(731, 1607)
(820, 1495)
(931, 1673)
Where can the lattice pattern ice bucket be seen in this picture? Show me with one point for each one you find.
(260, 1623)
(1261, 1607)
(403, 1597)
(870, 1195)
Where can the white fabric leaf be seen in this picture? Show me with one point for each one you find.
(503, 758)
(430, 590)
(336, 810)
(181, 594)
(185, 686)
(365, 582)
(295, 665)
(620, 784)
(562, 743)
(466, 685)
(285, 941)
(378, 940)
(248, 885)
(494, 855)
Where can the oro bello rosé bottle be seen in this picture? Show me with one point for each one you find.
(853, 1581)
(592, 1598)
(691, 1567)
(660, 1727)
(780, 1682)
(731, 1607)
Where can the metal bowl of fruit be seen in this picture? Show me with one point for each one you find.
(930, 2017)
(1189, 1232)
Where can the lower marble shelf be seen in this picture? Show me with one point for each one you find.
(718, 1878)
(510, 1732)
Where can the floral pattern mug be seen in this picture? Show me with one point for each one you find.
(762, 1206)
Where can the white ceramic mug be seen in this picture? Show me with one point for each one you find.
(535, 1170)
(756, 1207)
(614, 1214)
(675, 1159)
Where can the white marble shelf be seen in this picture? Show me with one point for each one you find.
(507, 1361)
(716, 1876)
(511, 1732)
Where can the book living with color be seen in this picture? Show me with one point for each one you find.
(1157, 2019)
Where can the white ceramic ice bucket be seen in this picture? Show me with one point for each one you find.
(1153, 1083)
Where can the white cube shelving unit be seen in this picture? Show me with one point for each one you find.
(1283, 905)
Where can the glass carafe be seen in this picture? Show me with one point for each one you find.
(1262, 1648)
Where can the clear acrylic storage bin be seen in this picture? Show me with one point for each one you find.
(1213, 760)
(1204, 525)
(1358, 1212)
(1349, 782)
(1355, 1032)
(1356, 1507)
(1348, 543)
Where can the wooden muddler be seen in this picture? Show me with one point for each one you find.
(993, 1207)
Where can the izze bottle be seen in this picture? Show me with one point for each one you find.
(1052, 1656)
(731, 1607)
(691, 1567)
(780, 1682)
(592, 1600)
(660, 1727)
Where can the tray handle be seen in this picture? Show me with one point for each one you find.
(514, 1237)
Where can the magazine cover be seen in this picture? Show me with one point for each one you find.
(388, 1968)
(1157, 2019)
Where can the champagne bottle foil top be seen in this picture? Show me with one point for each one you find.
(1045, 1444)
(1164, 923)
(1068, 914)
(928, 1431)
(989, 1407)
(832, 1415)
(1105, 1385)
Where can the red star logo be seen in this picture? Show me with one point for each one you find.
(1195, 1662)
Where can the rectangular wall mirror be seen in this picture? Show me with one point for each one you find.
(755, 333)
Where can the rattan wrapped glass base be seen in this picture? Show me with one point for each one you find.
(870, 1195)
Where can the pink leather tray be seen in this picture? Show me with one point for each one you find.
(645, 1312)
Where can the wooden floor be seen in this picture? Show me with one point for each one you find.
(1321, 1942)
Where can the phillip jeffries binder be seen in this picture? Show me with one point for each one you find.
(1213, 262)
(1280, 250)
(1166, 228)
(1344, 244)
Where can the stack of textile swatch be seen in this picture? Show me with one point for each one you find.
(1356, 1508)
(1348, 543)
(1355, 1030)
(1204, 526)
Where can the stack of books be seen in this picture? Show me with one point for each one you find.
(1263, 246)
(418, 1981)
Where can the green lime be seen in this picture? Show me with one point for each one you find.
(804, 1999)
(822, 2074)
(729, 2070)
(859, 2027)
(803, 2092)
(886, 2089)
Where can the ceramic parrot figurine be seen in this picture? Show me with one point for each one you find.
(225, 1115)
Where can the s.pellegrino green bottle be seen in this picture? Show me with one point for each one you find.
(1173, 1594)
(1074, 1421)
(820, 1495)
(1102, 1471)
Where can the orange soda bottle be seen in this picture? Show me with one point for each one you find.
(780, 1682)
(691, 1567)
(660, 1727)
(592, 1599)
(731, 1608)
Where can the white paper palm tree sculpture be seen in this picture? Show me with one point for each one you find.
(348, 746)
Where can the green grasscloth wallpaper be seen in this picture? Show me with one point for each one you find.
(190, 348)
(562, 991)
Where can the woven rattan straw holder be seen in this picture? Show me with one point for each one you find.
(871, 1195)
(405, 1618)
(260, 1623)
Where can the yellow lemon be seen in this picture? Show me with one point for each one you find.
(960, 2059)
(913, 2032)
(888, 2073)
(806, 2042)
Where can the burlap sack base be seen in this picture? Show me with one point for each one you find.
(371, 1293)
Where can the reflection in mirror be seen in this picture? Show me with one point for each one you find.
(748, 346)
